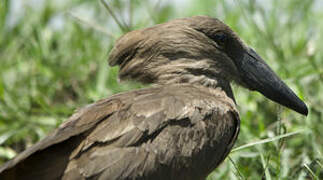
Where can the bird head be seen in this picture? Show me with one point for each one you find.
(199, 50)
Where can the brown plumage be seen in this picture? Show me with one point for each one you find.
(182, 128)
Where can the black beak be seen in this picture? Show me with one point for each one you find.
(257, 75)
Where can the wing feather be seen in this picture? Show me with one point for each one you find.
(126, 134)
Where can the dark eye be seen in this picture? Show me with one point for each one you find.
(220, 38)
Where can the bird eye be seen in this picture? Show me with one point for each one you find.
(220, 38)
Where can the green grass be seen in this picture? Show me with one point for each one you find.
(47, 71)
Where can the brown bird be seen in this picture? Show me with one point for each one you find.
(182, 128)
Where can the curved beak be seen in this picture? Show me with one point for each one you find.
(257, 75)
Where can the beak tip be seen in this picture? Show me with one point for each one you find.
(304, 110)
(300, 107)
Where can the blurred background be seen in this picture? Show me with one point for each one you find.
(53, 60)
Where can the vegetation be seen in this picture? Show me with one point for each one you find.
(53, 60)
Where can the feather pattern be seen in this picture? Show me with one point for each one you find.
(168, 132)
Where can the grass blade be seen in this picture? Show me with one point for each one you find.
(122, 26)
(92, 25)
(267, 140)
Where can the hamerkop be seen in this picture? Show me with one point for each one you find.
(181, 128)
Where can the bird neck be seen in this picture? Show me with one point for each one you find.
(203, 81)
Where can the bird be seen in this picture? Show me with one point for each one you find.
(181, 127)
